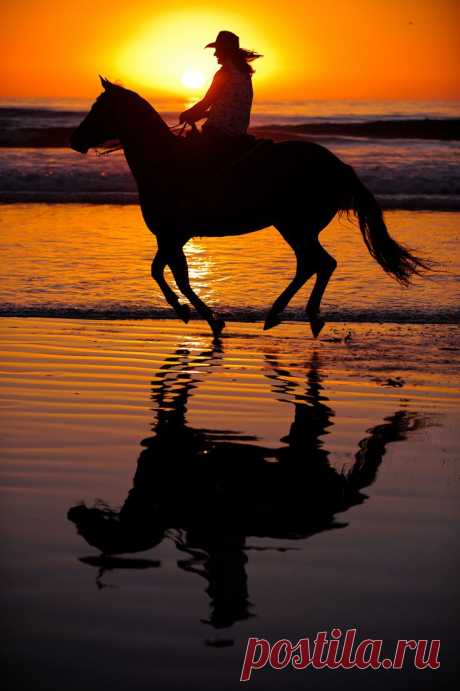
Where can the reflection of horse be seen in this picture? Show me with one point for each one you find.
(212, 489)
(296, 186)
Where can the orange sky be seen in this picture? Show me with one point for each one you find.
(356, 49)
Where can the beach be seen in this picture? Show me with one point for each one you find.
(165, 496)
(92, 410)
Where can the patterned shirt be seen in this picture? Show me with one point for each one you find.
(229, 100)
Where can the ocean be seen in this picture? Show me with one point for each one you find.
(402, 171)
(66, 255)
(93, 261)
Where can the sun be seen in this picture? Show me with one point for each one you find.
(193, 79)
(168, 54)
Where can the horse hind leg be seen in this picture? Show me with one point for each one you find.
(305, 250)
(326, 267)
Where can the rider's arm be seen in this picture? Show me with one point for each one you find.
(200, 109)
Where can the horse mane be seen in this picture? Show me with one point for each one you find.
(153, 120)
(125, 93)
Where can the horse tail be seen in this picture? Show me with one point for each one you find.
(395, 259)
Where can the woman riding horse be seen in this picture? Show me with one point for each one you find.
(296, 186)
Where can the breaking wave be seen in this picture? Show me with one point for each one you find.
(402, 316)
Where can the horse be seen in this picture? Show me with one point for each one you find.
(296, 186)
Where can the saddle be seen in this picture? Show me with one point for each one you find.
(250, 147)
(209, 174)
(203, 157)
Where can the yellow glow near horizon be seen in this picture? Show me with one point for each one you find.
(169, 54)
(368, 49)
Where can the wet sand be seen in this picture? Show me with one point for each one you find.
(271, 485)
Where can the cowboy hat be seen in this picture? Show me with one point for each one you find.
(226, 40)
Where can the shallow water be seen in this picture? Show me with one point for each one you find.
(96, 260)
(240, 506)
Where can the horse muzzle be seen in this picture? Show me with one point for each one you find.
(81, 148)
(78, 145)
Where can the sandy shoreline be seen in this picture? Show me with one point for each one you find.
(416, 202)
(150, 416)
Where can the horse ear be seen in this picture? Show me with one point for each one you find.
(105, 83)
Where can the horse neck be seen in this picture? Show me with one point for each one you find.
(147, 144)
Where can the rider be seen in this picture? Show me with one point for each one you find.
(227, 104)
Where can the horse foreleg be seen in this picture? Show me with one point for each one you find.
(158, 266)
(178, 263)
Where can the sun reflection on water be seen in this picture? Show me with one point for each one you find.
(200, 268)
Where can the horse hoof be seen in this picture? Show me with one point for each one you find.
(217, 327)
(316, 326)
(184, 312)
(271, 322)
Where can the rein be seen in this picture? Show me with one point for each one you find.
(109, 151)
(177, 130)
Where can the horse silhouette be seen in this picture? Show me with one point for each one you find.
(210, 490)
(296, 186)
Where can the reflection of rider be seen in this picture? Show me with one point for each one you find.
(227, 104)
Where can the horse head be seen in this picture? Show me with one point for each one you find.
(117, 113)
(100, 125)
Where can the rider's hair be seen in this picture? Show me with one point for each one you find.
(242, 58)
